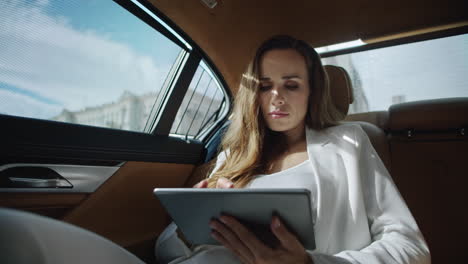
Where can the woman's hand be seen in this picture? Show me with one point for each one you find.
(222, 183)
(236, 237)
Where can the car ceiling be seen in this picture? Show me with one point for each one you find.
(230, 32)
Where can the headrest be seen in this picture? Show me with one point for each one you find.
(341, 89)
(427, 115)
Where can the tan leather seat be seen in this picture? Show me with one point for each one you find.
(341, 91)
(378, 118)
(429, 152)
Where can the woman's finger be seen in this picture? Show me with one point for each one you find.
(226, 237)
(216, 235)
(250, 240)
(286, 238)
(224, 183)
(201, 184)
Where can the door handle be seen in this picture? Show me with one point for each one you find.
(32, 177)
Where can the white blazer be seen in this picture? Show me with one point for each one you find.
(360, 215)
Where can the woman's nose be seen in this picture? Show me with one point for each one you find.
(277, 97)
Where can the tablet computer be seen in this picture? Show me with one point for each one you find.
(192, 209)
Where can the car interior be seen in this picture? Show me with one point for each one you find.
(75, 188)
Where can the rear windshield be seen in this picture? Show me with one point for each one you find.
(417, 71)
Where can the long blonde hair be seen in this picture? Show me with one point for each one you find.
(248, 140)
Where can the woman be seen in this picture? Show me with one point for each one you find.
(285, 134)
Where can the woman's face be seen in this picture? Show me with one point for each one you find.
(284, 90)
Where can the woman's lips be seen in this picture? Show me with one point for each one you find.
(276, 115)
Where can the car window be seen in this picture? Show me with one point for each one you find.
(417, 71)
(203, 105)
(86, 62)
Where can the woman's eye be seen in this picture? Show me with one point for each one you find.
(265, 87)
(291, 86)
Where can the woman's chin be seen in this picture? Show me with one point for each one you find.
(279, 129)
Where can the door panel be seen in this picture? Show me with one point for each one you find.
(124, 208)
(54, 205)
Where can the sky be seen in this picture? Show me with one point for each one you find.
(57, 54)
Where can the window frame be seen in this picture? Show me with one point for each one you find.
(162, 122)
(400, 41)
(205, 132)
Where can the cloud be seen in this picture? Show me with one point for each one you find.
(46, 56)
(22, 105)
(42, 2)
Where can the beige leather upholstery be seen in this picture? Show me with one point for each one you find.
(378, 118)
(341, 89)
(429, 166)
(29, 238)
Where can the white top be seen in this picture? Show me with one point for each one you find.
(359, 215)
